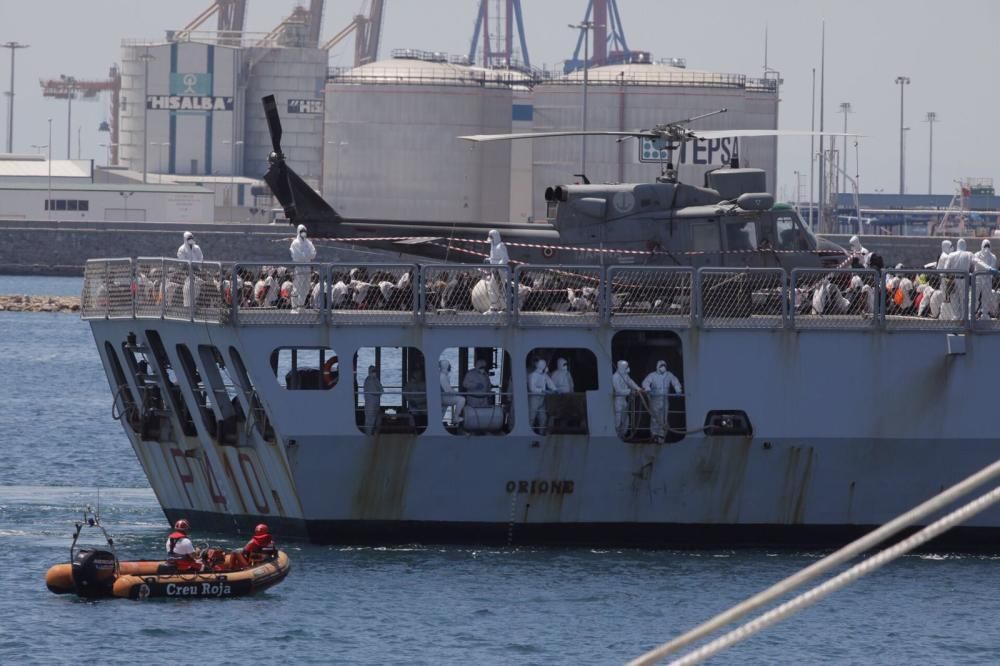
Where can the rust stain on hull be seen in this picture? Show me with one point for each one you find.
(797, 477)
(384, 474)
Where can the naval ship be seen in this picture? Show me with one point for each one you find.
(396, 403)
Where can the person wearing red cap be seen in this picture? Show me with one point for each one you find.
(180, 551)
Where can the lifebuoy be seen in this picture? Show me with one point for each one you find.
(328, 377)
(548, 252)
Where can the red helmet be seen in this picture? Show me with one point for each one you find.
(182, 525)
(260, 529)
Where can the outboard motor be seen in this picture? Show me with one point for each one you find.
(94, 573)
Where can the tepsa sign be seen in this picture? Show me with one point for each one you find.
(696, 151)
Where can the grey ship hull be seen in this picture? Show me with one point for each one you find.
(850, 428)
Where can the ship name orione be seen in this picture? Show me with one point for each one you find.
(203, 590)
(541, 487)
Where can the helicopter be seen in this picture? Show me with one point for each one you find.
(730, 221)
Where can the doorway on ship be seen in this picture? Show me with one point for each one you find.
(655, 362)
(558, 381)
(475, 385)
(390, 390)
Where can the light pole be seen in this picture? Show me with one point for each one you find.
(38, 149)
(145, 58)
(13, 46)
(902, 82)
(50, 168)
(159, 162)
(930, 120)
(70, 94)
(232, 177)
(845, 108)
(125, 196)
(586, 27)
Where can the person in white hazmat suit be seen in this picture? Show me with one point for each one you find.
(497, 279)
(303, 251)
(561, 377)
(623, 386)
(539, 383)
(945, 251)
(986, 302)
(859, 251)
(373, 399)
(449, 396)
(658, 384)
(189, 251)
(961, 261)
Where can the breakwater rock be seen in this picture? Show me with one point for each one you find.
(39, 304)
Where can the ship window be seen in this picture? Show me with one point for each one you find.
(197, 387)
(790, 234)
(84, 204)
(475, 385)
(71, 204)
(705, 236)
(390, 390)
(557, 401)
(306, 368)
(741, 235)
(124, 403)
(258, 415)
(658, 414)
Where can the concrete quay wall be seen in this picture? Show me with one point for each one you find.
(62, 248)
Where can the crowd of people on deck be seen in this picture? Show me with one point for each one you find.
(909, 291)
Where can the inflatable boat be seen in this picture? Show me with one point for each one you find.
(94, 574)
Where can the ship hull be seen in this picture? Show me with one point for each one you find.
(845, 430)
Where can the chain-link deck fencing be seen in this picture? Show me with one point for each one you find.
(842, 298)
(454, 294)
(559, 296)
(742, 298)
(926, 299)
(650, 296)
(372, 294)
(149, 286)
(272, 294)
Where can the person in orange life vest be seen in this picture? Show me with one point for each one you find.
(180, 551)
(261, 547)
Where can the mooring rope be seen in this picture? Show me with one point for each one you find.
(851, 550)
(844, 579)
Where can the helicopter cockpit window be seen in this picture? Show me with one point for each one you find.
(791, 235)
(705, 236)
(741, 235)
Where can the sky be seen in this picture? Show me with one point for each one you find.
(948, 49)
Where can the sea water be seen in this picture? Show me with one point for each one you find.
(412, 605)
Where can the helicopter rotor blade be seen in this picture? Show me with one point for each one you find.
(273, 122)
(720, 134)
(481, 138)
(694, 118)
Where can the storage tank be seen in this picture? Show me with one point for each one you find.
(189, 112)
(391, 146)
(638, 96)
(296, 77)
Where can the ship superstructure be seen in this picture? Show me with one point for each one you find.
(814, 403)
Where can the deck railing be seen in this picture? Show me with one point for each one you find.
(251, 294)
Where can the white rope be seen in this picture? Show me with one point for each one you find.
(867, 542)
(844, 579)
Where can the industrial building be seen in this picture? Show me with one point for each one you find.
(392, 147)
